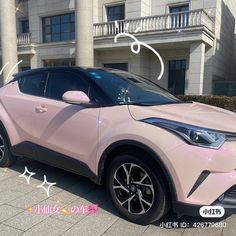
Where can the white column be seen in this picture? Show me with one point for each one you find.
(84, 33)
(8, 37)
(34, 61)
(196, 69)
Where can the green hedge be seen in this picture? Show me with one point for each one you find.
(228, 103)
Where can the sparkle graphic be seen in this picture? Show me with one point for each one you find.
(49, 185)
(30, 209)
(65, 212)
(27, 175)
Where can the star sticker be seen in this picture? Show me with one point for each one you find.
(44, 183)
(28, 176)
(30, 209)
(65, 212)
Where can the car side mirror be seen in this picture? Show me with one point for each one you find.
(76, 97)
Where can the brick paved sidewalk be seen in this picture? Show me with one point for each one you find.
(19, 201)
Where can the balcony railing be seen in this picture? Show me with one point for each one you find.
(155, 23)
(23, 39)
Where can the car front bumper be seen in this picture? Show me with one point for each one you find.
(227, 201)
(204, 177)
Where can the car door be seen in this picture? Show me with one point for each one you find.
(66, 132)
(19, 101)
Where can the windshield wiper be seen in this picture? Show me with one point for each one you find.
(138, 103)
(152, 104)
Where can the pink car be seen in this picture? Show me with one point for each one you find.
(153, 151)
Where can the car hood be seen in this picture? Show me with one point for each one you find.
(189, 113)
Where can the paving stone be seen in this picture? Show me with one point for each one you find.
(7, 173)
(64, 197)
(73, 218)
(157, 231)
(6, 212)
(230, 228)
(9, 183)
(23, 188)
(25, 220)
(50, 226)
(203, 232)
(123, 227)
(9, 231)
(97, 195)
(9, 195)
(29, 199)
(93, 225)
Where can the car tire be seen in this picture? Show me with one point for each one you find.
(147, 194)
(6, 158)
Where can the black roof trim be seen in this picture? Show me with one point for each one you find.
(43, 69)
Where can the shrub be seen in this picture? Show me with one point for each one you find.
(228, 103)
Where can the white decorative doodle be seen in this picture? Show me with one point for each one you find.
(27, 175)
(12, 69)
(138, 45)
(3, 68)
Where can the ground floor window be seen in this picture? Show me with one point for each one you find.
(176, 78)
(119, 66)
(59, 62)
(24, 68)
(224, 88)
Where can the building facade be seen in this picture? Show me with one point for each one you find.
(196, 39)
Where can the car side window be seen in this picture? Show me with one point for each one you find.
(32, 84)
(60, 82)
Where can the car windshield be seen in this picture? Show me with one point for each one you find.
(126, 88)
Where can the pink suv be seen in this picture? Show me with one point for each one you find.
(152, 150)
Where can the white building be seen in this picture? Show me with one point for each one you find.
(195, 38)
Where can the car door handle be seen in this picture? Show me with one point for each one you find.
(41, 109)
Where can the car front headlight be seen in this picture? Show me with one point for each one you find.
(193, 135)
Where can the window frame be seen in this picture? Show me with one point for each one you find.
(44, 77)
(108, 65)
(177, 16)
(60, 71)
(180, 5)
(23, 23)
(114, 5)
(60, 33)
(104, 99)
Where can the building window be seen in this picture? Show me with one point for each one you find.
(179, 8)
(119, 66)
(179, 20)
(116, 12)
(24, 26)
(176, 80)
(24, 68)
(59, 28)
(59, 62)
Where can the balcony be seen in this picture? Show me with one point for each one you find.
(161, 29)
(24, 39)
(169, 26)
(25, 45)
